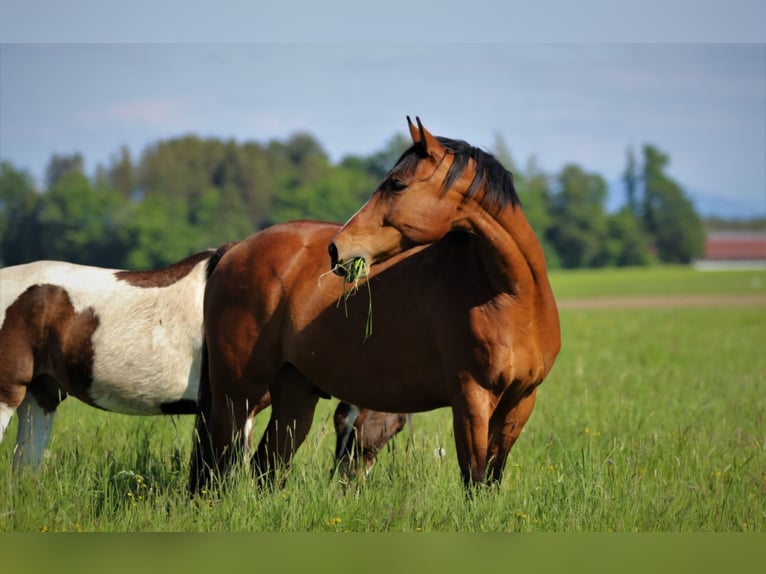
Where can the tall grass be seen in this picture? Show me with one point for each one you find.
(652, 420)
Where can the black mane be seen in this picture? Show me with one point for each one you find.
(490, 173)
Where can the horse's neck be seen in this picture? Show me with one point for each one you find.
(514, 263)
(511, 253)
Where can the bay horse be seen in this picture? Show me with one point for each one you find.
(463, 315)
(128, 342)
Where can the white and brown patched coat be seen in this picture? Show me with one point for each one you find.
(124, 341)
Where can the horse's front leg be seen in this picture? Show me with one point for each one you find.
(293, 400)
(34, 432)
(470, 419)
(505, 426)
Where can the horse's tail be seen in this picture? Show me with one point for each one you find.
(201, 442)
(215, 258)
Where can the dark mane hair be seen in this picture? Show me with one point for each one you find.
(499, 191)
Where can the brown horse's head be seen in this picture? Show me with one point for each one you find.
(431, 190)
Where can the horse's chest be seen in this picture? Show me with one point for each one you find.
(504, 347)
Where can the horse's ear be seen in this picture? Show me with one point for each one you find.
(430, 144)
(414, 133)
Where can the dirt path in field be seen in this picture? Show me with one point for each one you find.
(663, 301)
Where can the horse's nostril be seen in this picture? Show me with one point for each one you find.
(333, 254)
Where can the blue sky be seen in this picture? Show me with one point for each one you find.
(703, 104)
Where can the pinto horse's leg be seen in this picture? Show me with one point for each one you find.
(36, 414)
(6, 414)
(293, 400)
(35, 426)
(504, 428)
(470, 420)
(16, 372)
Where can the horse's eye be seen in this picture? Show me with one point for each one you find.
(396, 185)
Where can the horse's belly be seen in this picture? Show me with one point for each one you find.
(142, 387)
(146, 362)
(383, 387)
(141, 397)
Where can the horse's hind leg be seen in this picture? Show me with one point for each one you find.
(15, 375)
(504, 429)
(202, 458)
(218, 439)
(293, 400)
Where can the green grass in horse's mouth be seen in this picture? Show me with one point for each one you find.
(354, 270)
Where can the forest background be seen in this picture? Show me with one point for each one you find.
(186, 194)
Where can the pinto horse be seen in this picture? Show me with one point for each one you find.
(128, 342)
(123, 341)
(463, 315)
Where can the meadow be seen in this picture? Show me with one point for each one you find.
(653, 419)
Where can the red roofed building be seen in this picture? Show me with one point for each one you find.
(735, 247)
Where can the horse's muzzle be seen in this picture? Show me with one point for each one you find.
(337, 269)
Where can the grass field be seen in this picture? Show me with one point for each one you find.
(653, 419)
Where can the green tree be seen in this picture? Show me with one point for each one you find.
(157, 232)
(220, 216)
(668, 215)
(335, 196)
(534, 190)
(61, 165)
(631, 180)
(309, 186)
(626, 243)
(122, 173)
(79, 223)
(578, 220)
(19, 243)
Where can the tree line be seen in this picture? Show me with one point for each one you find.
(186, 194)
